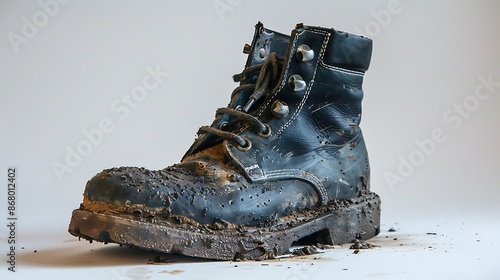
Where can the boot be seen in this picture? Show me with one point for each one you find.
(285, 161)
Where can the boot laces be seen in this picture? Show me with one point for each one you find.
(266, 80)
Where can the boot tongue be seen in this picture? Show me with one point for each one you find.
(264, 43)
(266, 79)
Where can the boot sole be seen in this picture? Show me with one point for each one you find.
(339, 222)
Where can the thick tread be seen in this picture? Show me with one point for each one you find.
(344, 221)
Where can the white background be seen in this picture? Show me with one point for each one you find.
(61, 76)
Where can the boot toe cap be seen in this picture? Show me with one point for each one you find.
(124, 186)
(178, 192)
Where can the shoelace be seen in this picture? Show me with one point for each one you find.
(267, 78)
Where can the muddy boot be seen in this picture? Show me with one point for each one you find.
(284, 162)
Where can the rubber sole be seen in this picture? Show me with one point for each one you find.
(337, 223)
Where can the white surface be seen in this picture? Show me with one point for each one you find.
(428, 59)
(460, 249)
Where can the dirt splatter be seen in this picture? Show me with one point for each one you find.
(305, 251)
(158, 259)
(361, 244)
(173, 272)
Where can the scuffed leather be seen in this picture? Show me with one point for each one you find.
(272, 42)
(319, 141)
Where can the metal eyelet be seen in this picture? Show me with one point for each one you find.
(222, 125)
(279, 109)
(304, 53)
(262, 53)
(245, 148)
(267, 132)
(296, 83)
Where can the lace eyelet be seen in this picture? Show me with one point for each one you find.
(262, 53)
(244, 148)
(267, 133)
(222, 125)
(304, 53)
(296, 83)
(280, 109)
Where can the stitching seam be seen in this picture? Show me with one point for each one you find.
(311, 83)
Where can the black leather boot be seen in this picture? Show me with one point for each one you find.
(285, 161)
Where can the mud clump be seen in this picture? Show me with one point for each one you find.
(361, 244)
(324, 246)
(306, 251)
(158, 259)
